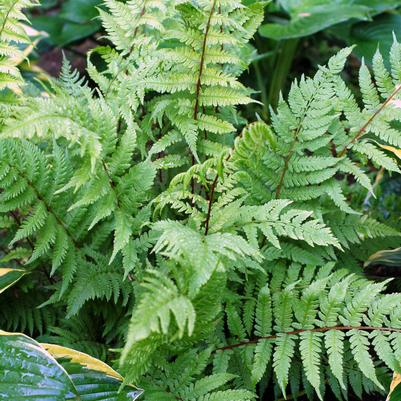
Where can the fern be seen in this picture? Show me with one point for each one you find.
(328, 315)
(12, 35)
(187, 380)
(162, 304)
(199, 75)
(218, 264)
(321, 111)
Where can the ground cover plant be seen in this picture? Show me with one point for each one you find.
(147, 224)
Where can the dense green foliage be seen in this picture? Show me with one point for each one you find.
(220, 258)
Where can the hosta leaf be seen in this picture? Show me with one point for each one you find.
(63, 31)
(385, 258)
(28, 371)
(379, 5)
(313, 18)
(395, 388)
(80, 11)
(368, 36)
(9, 277)
(93, 379)
(47, 372)
(392, 149)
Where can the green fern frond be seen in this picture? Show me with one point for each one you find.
(12, 36)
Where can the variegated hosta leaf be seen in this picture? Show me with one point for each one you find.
(391, 258)
(46, 372)
(395, 393)
(392, 149)
(9, 277)
(29, 372)
(93, 379)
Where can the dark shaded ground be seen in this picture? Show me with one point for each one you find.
(51, 59)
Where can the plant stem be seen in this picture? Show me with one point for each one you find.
(7, 14)
(282, 66)
(317, 330)
(363, 129)
(199, 79)
(209, 208)
(286, 163)
(124, 66)
(211, 198)
(202, 62)
(262, 89)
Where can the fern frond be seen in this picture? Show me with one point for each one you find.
(161, 299)
(12, 36)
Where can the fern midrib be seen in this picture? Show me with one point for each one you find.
(202, 62)
(143, 11)
(255, 340)
(363, 129)
(27, 122)
(3, 25)
(286, 164)
(112, 184)
(48, 207)
(18, 221)
(199, 80)
(291, 150)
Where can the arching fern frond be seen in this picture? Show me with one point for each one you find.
(12, 36)
(318, 318)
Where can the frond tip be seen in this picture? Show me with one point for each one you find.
(12, 36)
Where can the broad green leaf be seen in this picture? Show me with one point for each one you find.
(93, 379)
(9, 277)
(76, 20)
(375, 6)
(307, 19)
(80, 11)
(47, 4)
(29, 372)
(378, 6)
(368, 36)
(61, 31)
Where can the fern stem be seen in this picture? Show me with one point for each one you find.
(111, 183)
(291, 151)
(143, 11)
(48, 207)
(3, 25)
(32, 246)
(209, 208)
(199, 79)
(285, 56)
(286, 163)
(363, 129)
(211, 198)
(317, 330)
(202, 62)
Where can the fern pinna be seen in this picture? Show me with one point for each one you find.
(12, 36)
(219, 260)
